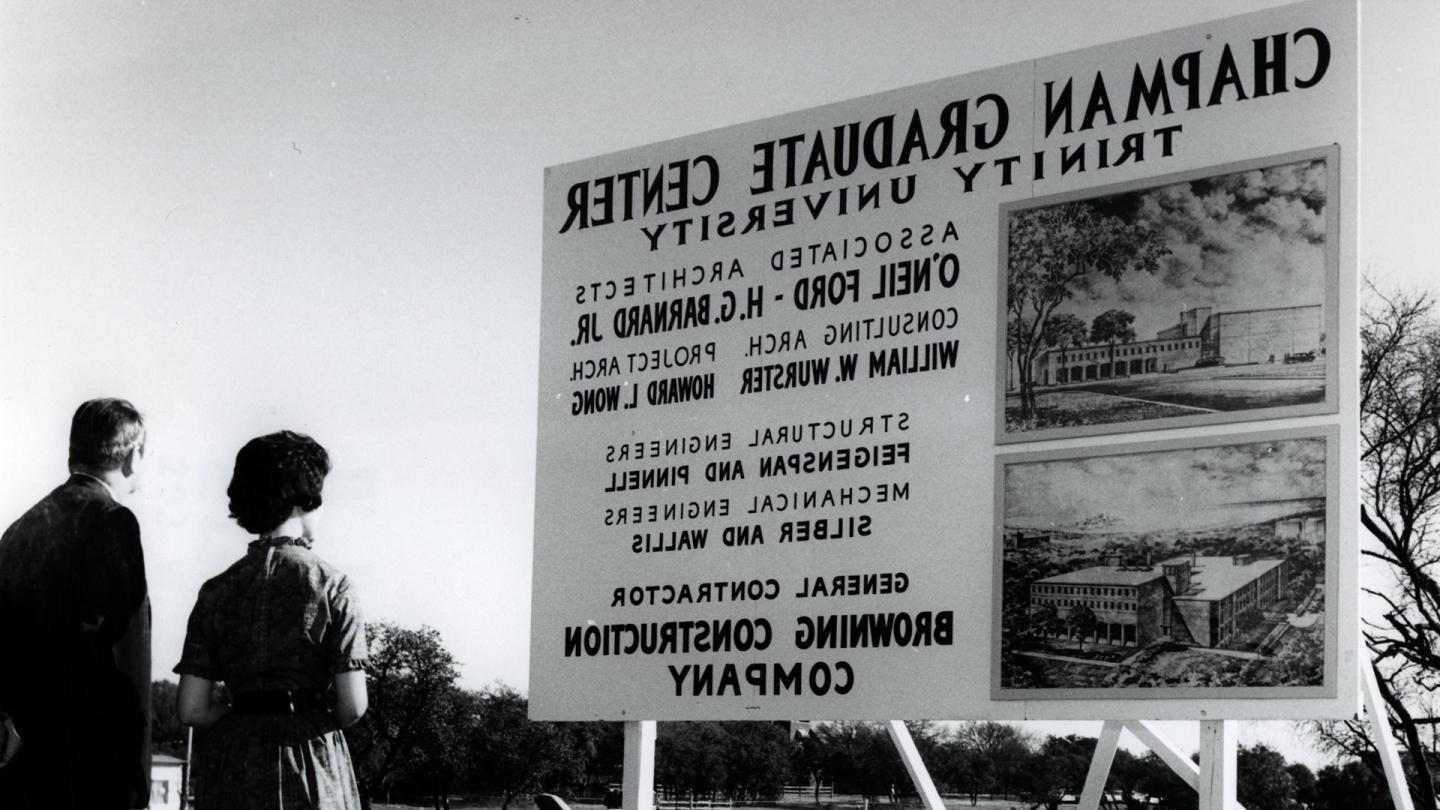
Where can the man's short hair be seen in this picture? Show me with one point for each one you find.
(273, 475)
(104, 432)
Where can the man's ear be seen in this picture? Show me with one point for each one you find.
(127, 467)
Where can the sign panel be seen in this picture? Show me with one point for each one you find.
(1195, 569)
(822, 398)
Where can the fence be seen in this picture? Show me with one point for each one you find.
(692, 804)
(823, 792)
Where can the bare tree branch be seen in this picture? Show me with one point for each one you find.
(1400, 491)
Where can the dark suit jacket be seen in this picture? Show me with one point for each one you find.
(75, 652)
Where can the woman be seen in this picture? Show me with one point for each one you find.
(281, 629)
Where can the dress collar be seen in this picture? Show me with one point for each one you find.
(279, 541)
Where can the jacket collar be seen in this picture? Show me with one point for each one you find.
(90, 482)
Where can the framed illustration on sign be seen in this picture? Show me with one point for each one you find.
(1196, 569)
(1200, 298)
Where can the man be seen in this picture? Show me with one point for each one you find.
(75, 630)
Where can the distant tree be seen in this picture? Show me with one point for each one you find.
(410, 675)
(1304, 779)
(1126, 773)
(512, 755)
(441, 752)
(602, 747)
(744, 761)
(1110, 327)
(167, 734)
(963, 769)
(1053, 250)
(1059, 767)
(1263, 781)
(757, 760)
(860, 757)
(927, 736)
(1003, 749)
(1156, 779)
(807, 762)
(690, 757)
(1351, 786)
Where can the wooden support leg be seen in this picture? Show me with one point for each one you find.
(900, 735)
(638, 789)
(1384, 743)
(1217, 764)
(1168, 752)
(1100, 765)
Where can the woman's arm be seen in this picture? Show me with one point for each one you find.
(351, 698)
(194, 703)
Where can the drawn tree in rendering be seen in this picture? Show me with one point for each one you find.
(1082, 622)
(1049, 622)
(1110, 327)
(1065, 331)
(1053, 251)
(1012, 346)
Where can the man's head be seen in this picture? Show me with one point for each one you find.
(107, 439)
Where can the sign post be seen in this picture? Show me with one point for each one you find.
(914, 765)
(1215, 781)
(1384, 743)
(1217, 764)
(638, 782)
(1100, 763)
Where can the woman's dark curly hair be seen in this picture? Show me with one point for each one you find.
(273, 475)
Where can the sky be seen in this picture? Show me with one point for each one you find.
(1167, 490)
(326, 217)
(1231, 240)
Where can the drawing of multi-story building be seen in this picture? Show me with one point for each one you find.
(1204, 601)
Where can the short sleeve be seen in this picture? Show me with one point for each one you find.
(197, 657)
(345, 648)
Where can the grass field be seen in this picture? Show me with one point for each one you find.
(1156, 396)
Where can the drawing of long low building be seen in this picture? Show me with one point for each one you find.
(1205, 601)
(1201, 337)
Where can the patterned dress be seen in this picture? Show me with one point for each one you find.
(280, 618)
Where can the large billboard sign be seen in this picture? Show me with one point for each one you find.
(1028, 393)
